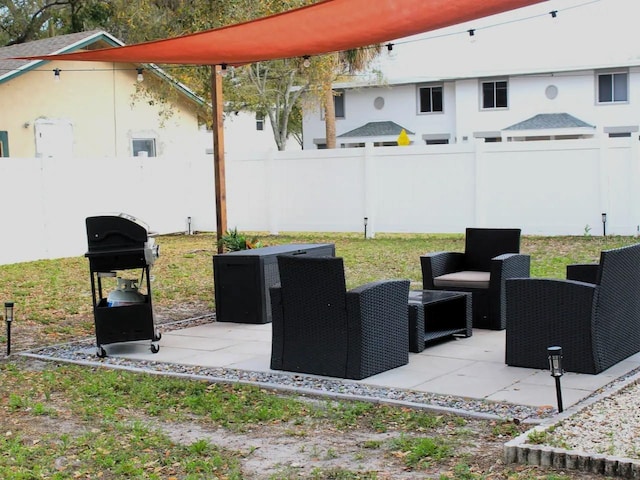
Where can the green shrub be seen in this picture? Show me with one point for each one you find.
(233, 241)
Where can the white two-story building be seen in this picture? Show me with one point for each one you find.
(557, 70)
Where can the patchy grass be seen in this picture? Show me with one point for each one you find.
(109, 417)
(53, 297)
(61, 421)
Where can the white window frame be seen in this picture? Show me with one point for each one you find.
(419, 99)
(612, 74)
(494, 81)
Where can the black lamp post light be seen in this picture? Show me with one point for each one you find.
(604, 224)
(8, 318)
(366, 221)
(555, 365)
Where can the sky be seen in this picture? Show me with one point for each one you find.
(585, 33)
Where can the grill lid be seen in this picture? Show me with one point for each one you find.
(115, 232)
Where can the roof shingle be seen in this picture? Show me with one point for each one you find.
(546, 121)
(61, 43)
(376, 129)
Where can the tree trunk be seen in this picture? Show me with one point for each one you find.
(330, 118)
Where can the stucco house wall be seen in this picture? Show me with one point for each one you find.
(94, 110)
(97, 100)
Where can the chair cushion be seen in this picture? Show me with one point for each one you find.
(463, 279)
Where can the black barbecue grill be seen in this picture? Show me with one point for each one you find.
(120, 243)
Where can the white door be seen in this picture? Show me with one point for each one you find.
(54, 138)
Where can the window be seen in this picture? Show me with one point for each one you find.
(494, 94)
(612, 87)
(436, 138)
(430, 99)
(144, 147)
(338, 102)
(488, 136)
(4, 144)
(625, 131)
(259, 121)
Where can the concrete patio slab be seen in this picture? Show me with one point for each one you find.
(467, 367)
(467, 375)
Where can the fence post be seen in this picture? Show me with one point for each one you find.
(369, 180)
(480, 190)
(604, 181)
(273, 203)
(634, 152)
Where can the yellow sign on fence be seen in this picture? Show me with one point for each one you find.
(403, 139)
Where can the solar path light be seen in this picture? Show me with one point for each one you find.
(8, 318)
(555, 365)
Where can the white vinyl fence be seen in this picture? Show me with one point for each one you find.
(543, 187)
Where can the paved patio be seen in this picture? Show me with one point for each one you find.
(472, 367)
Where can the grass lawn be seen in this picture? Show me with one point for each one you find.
(61, 421)
(53, 297)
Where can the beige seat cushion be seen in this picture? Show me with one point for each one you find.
(464, 279)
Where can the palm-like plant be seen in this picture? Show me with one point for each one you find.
(233, 241)
(349, 61)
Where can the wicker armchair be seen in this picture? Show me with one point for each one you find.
(321, 328)
(596, 324)
(491, 255)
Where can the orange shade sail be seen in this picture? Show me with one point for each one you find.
(324, 27)
(327, 26)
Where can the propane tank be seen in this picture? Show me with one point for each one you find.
(126, 293)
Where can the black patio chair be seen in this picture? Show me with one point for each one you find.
(596, 324)
(321, 328)
(491, 255)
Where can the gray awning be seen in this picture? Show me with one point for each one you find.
(548, 121)
(377, 129)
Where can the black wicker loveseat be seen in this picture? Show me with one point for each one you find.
(596, 324)
(319, 327)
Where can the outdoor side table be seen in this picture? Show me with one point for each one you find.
(436, 314)
(242, 279)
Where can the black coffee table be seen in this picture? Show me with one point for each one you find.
(435, 314)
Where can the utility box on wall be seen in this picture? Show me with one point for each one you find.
(242, 280)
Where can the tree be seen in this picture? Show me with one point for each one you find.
(350, 61)
(26, 20)
(271, 89)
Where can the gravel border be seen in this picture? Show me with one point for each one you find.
(83, 352)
